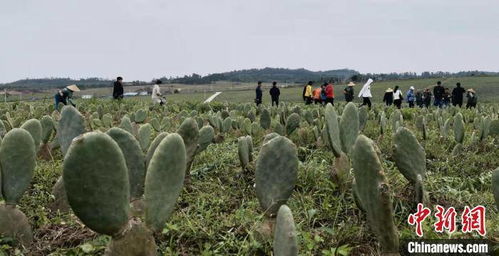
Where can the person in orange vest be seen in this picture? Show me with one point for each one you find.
(317, 95)
(330, 93)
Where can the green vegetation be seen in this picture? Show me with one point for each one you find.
(209, 179)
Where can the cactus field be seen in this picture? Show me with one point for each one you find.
(131, 178)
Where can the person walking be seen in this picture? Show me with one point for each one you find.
(118, 90)
(457, 95)
(156, 95)
(438, 93)
(447, 97)
(419, 98)
(365, 93)
(397, 97)
(307, 94)
(388, 97)
(472, 98)
(65, 95)
(427, 97)
(274, 94)
(259, 93)
(330, 93)
(348, 91)
(316, 94)
(411, 97)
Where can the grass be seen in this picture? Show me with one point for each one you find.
(219, 214)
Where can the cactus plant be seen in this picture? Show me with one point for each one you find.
(18, 160)
(349, 127)
(134, 159)
(363, 117)
(243, 152)
(495, 186)
(374, 193)
(126, 124)
(458, 128)
(34, 127)
(276, 173)
(71, 125)
(410, 158)
(333, 130)
(285, 241)
(265, 119)
(206, 135)
(140, 116)
(292, 123)
(144, 136)
(190, 134)
(154, 145)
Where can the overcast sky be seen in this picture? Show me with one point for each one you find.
(145, 39)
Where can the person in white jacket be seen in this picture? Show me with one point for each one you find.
(365, 93)
(156, 94)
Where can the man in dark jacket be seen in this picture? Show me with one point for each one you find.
(427, 97)
(348, 91)
(457, 95)
(388, 97)
(118, 89)
(258, 99)
(438, 93)
(274, 94)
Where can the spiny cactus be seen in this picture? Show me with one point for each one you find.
(410, 159)
(145, 132)
(47, 128)
(292, 123)
(265, 119)
(276, 173)
(243, 152)
(96, 183)
(107, 120)
(134, 159)
(227, 124)
(421, 125)
(458, 128)
(396, 117)
(18, 160)
(71, 125)
(495, 186)
(309, 118)
(363, 117)
(155, 124)
(126, 124)
(154, 145)
(164, 180)
(444, 130)
(285, 241)
(140, 116)
(333, 130)
(374, 193)
(206, 135)
(190, 134)
(34, 127)
(382, 123)
(349, 127)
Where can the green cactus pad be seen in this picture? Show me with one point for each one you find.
(410, 156)
(265, 119)
(190, 134)
(164, 180)
(495, 186)
(458, 128)
(126, 124)
(71, 125)
(285, 241)
(154, 145)
(206, 135)
(144, 136)
(18, 160)
(96, 183)
(292, 123)
(14, 224)
(243, 152)
(47, 128)
(34, 127)
(373, 192)
(349, 127)
(363, 117)
(333, 130)
(134, 159)
(276, 173)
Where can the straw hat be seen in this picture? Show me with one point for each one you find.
(471, 90)
(412, 88)
(389, 90)
(73, 88)
(351, 84)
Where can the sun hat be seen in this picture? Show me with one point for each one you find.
(389, 90)
(73, 88)
(471, 90)
(351, 84)
(412, 88)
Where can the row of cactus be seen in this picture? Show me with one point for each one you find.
(99, 191)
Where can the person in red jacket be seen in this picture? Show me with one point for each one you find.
(330, 93)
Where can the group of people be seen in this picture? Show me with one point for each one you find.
(422, 98)
(65, 95)
(442, 97)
